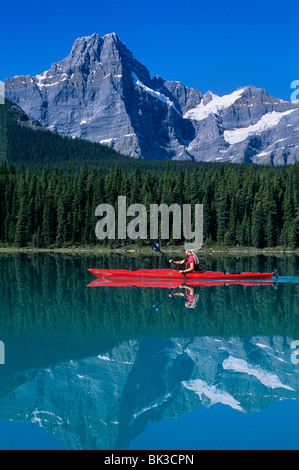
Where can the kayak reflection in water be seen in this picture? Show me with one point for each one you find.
(191, 297)
(191, 262)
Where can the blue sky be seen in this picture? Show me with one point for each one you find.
(208, 45)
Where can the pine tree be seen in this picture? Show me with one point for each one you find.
(258, 225)
(22, 233)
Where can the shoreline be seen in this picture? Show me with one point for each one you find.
(146, 250)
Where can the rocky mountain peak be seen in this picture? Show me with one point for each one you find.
(100, 92)
(85, 54)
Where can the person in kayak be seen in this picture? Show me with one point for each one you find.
(191, 262)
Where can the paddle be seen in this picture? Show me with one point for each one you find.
(156, 247)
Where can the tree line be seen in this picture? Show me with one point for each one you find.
(242, 205)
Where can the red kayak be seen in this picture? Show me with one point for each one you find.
(173, 274)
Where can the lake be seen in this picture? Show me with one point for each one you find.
(128, 368)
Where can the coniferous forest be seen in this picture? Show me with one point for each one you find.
(242, 205)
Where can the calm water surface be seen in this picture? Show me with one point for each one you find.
(133, 368)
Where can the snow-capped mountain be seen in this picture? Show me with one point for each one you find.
(101, 93)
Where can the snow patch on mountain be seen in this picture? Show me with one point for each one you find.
(40, 79)
(266, 122)
(212, 393)
(153, 93)
(266, 378)
(216, 105)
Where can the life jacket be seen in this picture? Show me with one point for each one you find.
(187, 265)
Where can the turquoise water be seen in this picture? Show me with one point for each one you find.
(117, 368)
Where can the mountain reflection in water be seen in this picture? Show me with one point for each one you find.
(95, 366)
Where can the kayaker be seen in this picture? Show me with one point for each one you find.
(191, 262)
